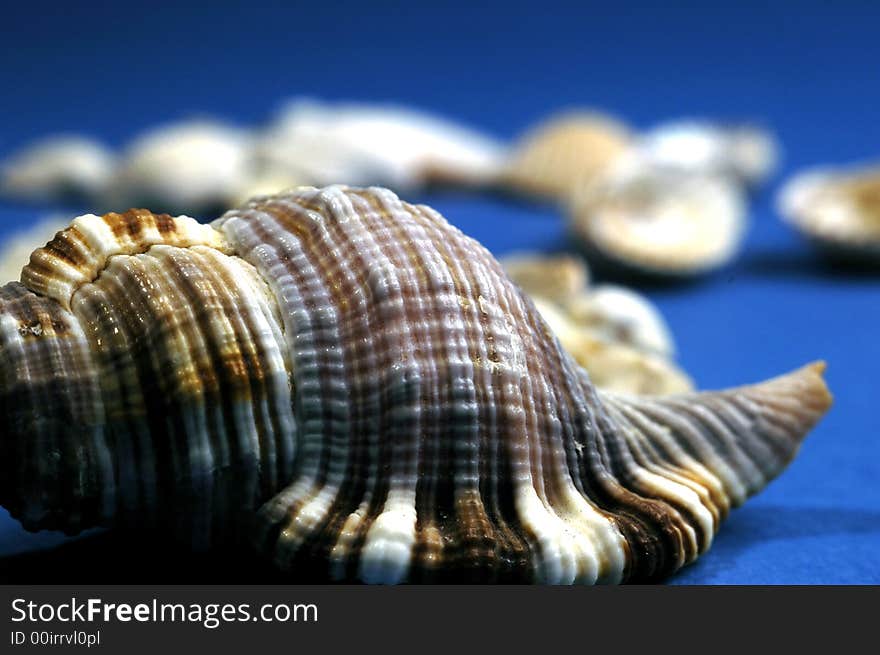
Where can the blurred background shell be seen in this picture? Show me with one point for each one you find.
(564, 152)
(363, 144)
(838, 209)
(648, 220)
(189, 166)
(57, 167)
(743, 153)
(616, 334)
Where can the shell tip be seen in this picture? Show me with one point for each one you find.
(810, 380)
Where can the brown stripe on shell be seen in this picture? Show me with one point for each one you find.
(77, 255)
(186, 355)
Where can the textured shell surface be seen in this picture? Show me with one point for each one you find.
(184, 166)
(837, 208)
(650, 220)
(565, 152)
(744, 153)
(357, 386)
(63, 165)
(361, 143)
(16, 248)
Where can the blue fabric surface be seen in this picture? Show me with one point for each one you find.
(808, 69)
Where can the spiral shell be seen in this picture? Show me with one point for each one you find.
(357, 385)
(838, 210)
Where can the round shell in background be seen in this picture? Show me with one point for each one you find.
(838, 209)
(746, 154)
(57, 167)
(653, 221)
(188, 166)
(358, 143)
(565, 152)
(620, 314)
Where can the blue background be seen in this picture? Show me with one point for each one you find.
(810, 70)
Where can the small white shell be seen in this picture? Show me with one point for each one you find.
(653, 220)
(618, 336)
(16, 248)
(620, 314)
(57, 166)
(838, 209)
(375, 144)
(745, 153)
(184, 166)
(613, 365)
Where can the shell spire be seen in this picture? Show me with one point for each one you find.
(358, 387)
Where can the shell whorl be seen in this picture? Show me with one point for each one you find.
(176, 346)
(368, 377)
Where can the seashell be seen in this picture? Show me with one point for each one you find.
(185, 166)
(623, 315)
(375, 144)
(602, 314)
(57, 166)
(838, 209)
(648, 220)
(611, 361)
(557, 278)
(365, 379)
(565, 152)
(262, 184)
(16, 249)
(745, 154)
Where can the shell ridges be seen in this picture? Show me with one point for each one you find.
(356, 387)
(80, 252)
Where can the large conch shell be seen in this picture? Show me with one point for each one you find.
(838, 210)
(359, 384)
